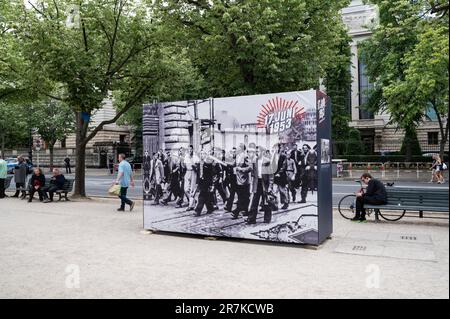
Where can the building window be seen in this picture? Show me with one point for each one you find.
(433, 138)
(63, 143)
(122, 139)
(364, 86)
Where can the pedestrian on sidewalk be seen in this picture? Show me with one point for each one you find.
(438, 166)
(125, 179)
(20, 177)
(67, 164)
(111, 165)
(3, 175)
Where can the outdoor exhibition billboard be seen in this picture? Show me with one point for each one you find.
(254, 167)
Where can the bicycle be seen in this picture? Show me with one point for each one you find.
(347, 207)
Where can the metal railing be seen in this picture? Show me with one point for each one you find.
(397, 170)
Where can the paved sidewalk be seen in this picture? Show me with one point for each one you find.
(42, 246)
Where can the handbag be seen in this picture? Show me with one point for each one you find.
(444, 166)
(114, 190)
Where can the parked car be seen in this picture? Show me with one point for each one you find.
(11, 163)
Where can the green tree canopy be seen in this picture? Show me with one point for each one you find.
(95, 50)
(407, 59)
(254, 46)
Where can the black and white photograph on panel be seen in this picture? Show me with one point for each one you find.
(325, 157)
(241, 167)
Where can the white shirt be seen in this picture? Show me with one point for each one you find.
(259, 167)
(190, 162)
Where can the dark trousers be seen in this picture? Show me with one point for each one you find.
(305, 185)
(205, 198)
(51, 189)
(243, 192)
(123, 197)
(19, 185)
(360, 201)
(2, 187)
(257, 197)
(68, 169)
(233, 188)
(181, 198)
(218, 186)
(39, 191)
(284, 194)
(159, 193)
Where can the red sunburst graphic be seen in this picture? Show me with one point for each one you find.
(279, 104)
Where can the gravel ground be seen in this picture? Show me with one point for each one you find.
(86, 249)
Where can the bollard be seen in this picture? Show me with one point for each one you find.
(398, 170)
(383, 171)
(350, 168)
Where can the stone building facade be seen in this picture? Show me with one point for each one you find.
(108, 143)
(374, 128)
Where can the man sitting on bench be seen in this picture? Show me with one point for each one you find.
(375, 194)
(56, 183)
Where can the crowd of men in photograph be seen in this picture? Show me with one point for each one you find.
(260, 179)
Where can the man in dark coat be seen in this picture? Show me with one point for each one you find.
(204, 185)
(56, 183)
(242, 171)
(262, 177)
(20, 177)
(281, 178)
(306, 167)
(67, 164)
(231, 179)
(217, 180)
(375, 194)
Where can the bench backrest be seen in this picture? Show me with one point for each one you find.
(418, 197)
(68, 185)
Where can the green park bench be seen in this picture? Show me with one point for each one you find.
(67, 188)
(405, 199)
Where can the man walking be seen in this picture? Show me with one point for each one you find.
(20, 177)
(205, 185)
(262, 184)
(124, 179)
(375, 194)
(3, 175)
(242, 171)
(231, 181)
(281, 179)
(190, 177)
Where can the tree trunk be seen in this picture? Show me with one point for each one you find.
(52, 151)
(80, 168)
(408, 150)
